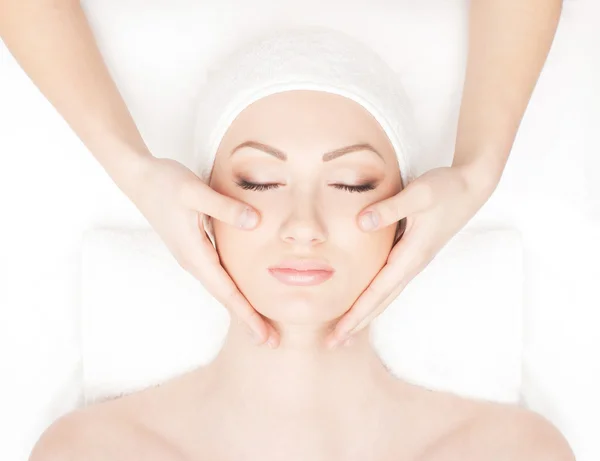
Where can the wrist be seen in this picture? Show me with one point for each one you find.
(128, 167)
(482, 174)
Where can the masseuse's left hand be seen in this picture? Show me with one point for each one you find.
(437, 205)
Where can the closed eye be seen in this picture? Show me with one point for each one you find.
(254, 186)
(247, 185)
(361, 188)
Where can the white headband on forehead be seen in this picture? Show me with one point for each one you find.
(308, 58)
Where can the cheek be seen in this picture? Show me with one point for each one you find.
(242, 252)
(363, 254)
(231, 241)
(366, 252)
(341, 212)
(234, 252)
(371, 248)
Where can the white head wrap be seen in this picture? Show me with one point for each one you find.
(308, 58)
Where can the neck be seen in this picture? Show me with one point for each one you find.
(301, 375)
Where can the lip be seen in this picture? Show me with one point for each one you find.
(302, 272)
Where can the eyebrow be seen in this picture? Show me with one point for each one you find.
(326, 157)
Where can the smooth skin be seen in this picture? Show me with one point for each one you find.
(301, 401)
(509, 41)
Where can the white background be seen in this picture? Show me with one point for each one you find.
(52, 189)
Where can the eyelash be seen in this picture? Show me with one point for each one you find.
(263, 187)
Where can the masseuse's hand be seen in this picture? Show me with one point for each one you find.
(173, 200)
(437, 205)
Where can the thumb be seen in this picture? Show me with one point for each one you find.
(412, 199)
(206, 200)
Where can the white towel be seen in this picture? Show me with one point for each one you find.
(307, 58)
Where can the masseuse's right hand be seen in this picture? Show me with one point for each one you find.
(173, 199)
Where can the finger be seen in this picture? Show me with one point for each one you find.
(217, 281)
(370, 299)
(219, 284)
(393, 277)
(347, 337)
(383, 306)
(200, 197)
(273, 337)
(373, 315)
(414, 198)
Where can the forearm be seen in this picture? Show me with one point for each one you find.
(54, 44)
(509, 41)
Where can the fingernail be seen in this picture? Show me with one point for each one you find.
(349, 341)
(369, 221)
(248, 219)
(271, 343)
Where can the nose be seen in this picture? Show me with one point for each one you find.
(303, 225)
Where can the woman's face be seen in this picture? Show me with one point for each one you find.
(309, 199)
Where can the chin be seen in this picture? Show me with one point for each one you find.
(298, 307)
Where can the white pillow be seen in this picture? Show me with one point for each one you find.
(456, 327)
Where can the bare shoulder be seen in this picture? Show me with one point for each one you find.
(135, 426)
(501, 432)
(98, 434)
